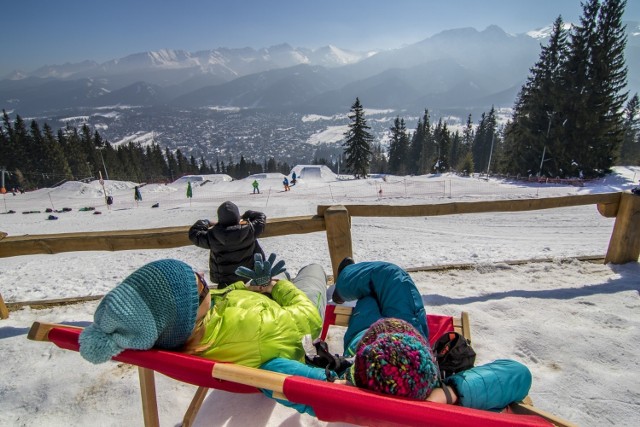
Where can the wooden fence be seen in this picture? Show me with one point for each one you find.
(624, 245)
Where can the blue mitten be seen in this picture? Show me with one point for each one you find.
(262, 270)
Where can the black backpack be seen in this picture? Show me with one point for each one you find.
(453, 353)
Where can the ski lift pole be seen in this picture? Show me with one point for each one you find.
(3, 170)
(493, 137)
(544, 149)
(106, 200)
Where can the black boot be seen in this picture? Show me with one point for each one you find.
(345, 262)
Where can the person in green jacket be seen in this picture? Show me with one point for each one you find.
(165, 304)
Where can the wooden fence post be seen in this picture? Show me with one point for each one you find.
(338, 224)
(624, 245)
(4, 311)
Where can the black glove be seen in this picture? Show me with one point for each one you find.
(331, 362)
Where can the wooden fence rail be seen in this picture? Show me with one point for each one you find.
(624, 245)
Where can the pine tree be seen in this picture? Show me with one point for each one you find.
(575, 87)
(423, 145)
(398, 148)
(157, 163)
(568, 118)
(38, 161)
(456, 152)
(442, 141)
(484, 141)
(358, 142)
(466, 165)
(172, 164)
(630, 150)
(182, 163)
(610, 78)
(379, 162)
(533, 135)
(56, 159)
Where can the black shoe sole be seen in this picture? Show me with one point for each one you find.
(345, 262)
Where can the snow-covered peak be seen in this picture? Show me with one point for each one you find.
(16, 75)
(545, 32)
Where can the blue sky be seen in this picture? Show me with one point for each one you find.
(40, 32)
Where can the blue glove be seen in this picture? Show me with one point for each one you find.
(262, 271)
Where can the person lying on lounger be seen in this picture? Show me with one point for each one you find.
(165, 304)
(387, 337)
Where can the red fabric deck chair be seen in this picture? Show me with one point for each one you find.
(331, 402)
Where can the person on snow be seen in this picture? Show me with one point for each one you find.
(387, 338)
(285, 182)
(137, 196)
(293, 178)
(232, 241)
(165, 304)
(256, 186)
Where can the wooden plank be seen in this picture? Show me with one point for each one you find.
(259, 378)
(338, 224)
(149, 399)
(52, 302)
(476, 206)
(194, 407)
(597, 259)
(465, 326)
(39, 331)
(461, 324)
(155, 238)
(608, 210)
(4, 311)
(527, 409)
(342, 320)
(624, 245)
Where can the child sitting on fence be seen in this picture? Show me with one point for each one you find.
(232, 241)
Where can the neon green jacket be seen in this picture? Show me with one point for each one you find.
(249, 328)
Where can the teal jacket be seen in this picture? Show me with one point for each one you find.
(383, 289)
(489, 387)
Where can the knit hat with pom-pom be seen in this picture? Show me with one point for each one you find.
(393, 358)
(156, 306)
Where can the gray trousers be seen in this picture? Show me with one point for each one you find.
(312, 280)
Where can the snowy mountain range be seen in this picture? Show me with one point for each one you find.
(455, 68)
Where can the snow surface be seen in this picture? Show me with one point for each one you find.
(574, 324)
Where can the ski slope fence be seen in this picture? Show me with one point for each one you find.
(344, 191)
(335, 221)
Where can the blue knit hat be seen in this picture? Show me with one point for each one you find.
(156, 306)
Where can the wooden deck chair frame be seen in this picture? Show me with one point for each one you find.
(249, 380)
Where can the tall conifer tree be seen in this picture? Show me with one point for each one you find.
(358, 142)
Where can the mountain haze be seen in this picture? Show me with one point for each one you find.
(456, 68)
